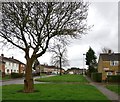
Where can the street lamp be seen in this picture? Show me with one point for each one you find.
(83, 65)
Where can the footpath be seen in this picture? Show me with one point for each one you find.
(109, 94)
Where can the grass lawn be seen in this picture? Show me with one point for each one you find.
(54, 92)
(115, 88)
(64, 78)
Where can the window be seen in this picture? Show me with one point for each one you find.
(8, 70)
(117, 73)
(109, 73)
(114, 63)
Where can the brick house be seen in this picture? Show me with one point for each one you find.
(109, 64)
(11, 65)
(2, 68)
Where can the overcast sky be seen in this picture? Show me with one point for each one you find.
(104, 17)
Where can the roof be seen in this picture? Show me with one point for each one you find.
(10, 60)
(51, 67)
(77, 69)
(110, 57)
(17, 61)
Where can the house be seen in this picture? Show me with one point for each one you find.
(11, 65)
(109, 64)
(50, 69)
(22, 66)
(75, 71)
(2, 66)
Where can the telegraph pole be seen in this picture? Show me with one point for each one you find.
(83, 64)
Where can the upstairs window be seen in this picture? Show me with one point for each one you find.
(114, 63)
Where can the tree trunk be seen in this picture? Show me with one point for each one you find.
(28, 82)
(60, 67)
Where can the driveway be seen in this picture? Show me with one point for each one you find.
(21, 81)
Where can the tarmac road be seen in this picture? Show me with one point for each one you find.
(20, 81)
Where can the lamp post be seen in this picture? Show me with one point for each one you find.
(83, 64)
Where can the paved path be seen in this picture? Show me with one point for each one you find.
(111, 95)
(21, 81)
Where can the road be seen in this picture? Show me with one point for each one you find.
(21, 81)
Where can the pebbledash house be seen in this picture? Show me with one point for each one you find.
(9, 65)
(109, 64)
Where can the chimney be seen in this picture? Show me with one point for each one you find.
(2, 55)
(12, 57)
(109, 52)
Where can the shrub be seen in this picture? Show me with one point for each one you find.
(113, 78)
(88, 74)
(16, 75)
(97, 77)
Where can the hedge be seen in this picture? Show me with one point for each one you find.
(97, 77)
(113, 78)
(16, 75)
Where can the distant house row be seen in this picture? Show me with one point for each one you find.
(75, 71)
(56, 70)
(48, 69)
(9, 65)
(109, 64)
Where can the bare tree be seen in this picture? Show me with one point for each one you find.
(59, 57)
(30, 26)
(106, 50)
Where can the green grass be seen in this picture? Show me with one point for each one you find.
(54, 92)
(79, 89)
(64, 78)
(114, 88)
